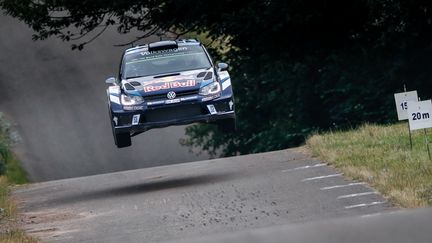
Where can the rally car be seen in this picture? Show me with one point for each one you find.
(168, 83)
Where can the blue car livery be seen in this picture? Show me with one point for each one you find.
(168, 83)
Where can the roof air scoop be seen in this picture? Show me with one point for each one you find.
(162, 45)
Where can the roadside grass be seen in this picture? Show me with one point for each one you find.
(11, 173)
(9, 228)
(381, 156)
(15, 174)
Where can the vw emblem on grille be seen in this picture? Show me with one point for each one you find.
(171, 95)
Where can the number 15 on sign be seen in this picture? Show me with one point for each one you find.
(402, 100)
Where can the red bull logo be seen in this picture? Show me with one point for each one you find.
(170, 85)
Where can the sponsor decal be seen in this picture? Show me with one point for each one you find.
(223, 75)
(167, 79)
(226, 84)
(189, 98)
(210, 97)
(172, 101)
(167, 51)
(160, 102)
(170, 85)
(133, 108)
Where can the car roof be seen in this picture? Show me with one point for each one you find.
(179, 42)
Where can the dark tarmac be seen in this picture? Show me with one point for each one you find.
(188, 200)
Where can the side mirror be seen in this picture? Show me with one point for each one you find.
(110, 80)
(222, 66)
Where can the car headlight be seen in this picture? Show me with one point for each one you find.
(131, 99)
(210, 89)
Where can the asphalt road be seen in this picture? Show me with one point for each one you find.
(182, 201)
(395, 227)
(56, 97)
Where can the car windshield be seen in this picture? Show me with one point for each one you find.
(147, 63)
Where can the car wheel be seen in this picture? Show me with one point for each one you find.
(227, 125)
(122, 140)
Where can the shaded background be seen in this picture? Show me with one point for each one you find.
(56, 97)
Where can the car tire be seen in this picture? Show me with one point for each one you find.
(227, 125)
(122, 140)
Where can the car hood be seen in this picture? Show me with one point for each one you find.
(162, 84)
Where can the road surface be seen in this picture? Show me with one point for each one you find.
(177, 202)
(395, 227)
(56, 97)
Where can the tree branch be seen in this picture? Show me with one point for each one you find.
(148, 34)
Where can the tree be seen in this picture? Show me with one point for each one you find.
(297, 66)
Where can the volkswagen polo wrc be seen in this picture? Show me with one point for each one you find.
(168, 83)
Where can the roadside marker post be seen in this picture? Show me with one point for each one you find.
(401, 101)
(420, 117)
(427, 144)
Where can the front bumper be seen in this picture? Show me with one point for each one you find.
(157, 115)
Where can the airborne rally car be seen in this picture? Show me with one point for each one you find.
(168, 83)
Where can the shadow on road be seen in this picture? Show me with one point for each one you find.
(85, 193)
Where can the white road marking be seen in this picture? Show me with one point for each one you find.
(305, 167)
(356, 195)
(322, 177)
(377, 214)
(363, 205)
(341, 186)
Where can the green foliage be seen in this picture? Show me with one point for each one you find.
(15, 173)
(4, 144)
(9, 165)
(10, 172)
(296, 66)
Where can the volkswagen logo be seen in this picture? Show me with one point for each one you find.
(171, 95)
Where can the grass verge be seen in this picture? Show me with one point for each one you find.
(9, 225)
(10, 173)
(381, 156)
